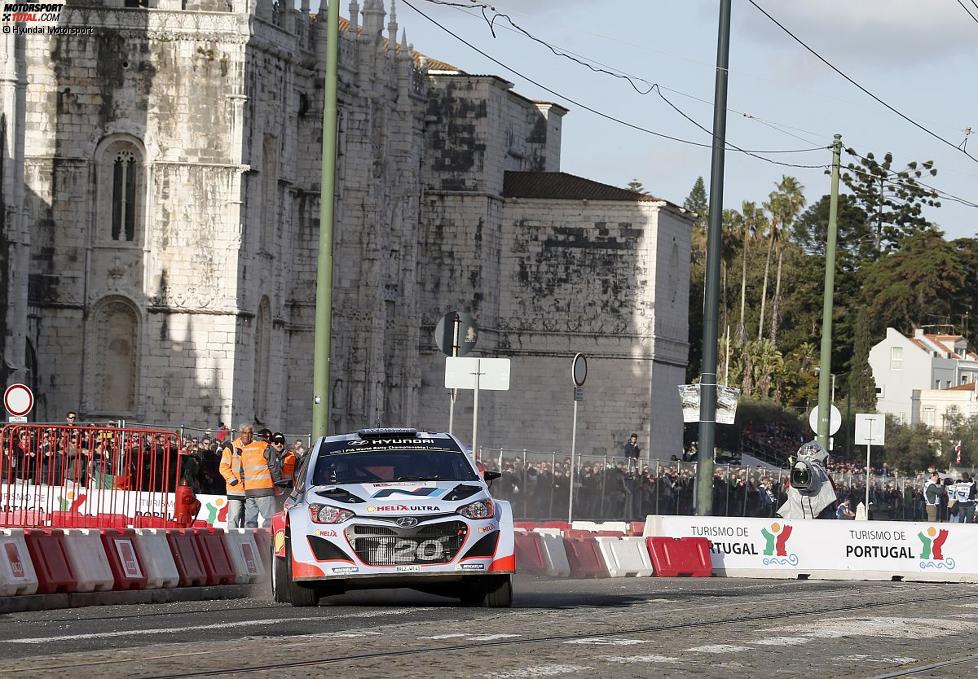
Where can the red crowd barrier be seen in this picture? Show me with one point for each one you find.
(673, 557)
(86, 476)
(585, 558)
(214, 556)
(120, 548)
(187, 557)
(530, 557)
(47, 551)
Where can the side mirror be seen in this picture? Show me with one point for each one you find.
(490, 476)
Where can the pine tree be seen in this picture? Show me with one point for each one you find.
(862, 386)
(696, 202)
(636, 186)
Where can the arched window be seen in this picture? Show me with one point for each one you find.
(116, 357)
(120, 176)
(124, 196)
(263, 355)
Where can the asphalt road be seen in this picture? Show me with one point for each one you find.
(605, 628)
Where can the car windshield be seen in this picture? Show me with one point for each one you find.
(391, 466)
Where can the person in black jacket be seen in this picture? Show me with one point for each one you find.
(632, 451)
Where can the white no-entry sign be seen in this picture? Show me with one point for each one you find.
(18, 399)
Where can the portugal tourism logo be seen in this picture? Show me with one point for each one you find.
(932, 549)
(776, 546)
(217, 510)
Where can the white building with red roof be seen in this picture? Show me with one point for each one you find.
(923, 378)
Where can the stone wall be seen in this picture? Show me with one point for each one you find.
(572, 276)
(206, 313)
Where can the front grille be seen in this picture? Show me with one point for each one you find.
(431, 544)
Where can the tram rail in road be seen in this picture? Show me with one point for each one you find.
(706, 627)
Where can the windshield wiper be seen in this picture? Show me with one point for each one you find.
(419, 478)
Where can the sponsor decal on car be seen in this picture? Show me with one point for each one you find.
(403, 508)
(486, 529)
(326, 533)
(472, 567)
(409, 569)
(346, 569)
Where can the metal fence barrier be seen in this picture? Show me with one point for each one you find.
(87, 476)
(616, 489)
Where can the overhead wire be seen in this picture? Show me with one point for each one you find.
(650, 87)
(641, 85)
(965, 8)
(751, 152)
(857, 85)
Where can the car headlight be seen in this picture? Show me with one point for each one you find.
(328, 514)
(483, 509)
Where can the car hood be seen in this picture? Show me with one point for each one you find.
(401, 497)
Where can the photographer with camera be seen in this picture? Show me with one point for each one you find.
(811, 494)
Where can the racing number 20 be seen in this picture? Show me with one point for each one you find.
(399, 550)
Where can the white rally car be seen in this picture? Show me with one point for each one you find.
(393, 508)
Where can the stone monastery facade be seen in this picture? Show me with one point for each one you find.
(160, 190)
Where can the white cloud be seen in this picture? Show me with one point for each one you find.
(882, 32)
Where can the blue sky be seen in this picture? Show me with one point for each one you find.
(920, 57)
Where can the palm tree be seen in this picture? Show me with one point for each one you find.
(729, 249)
(772, 234)
(753, 222)
(785, 203)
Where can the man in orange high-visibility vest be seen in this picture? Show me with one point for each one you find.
(260, 472)
(234, 481)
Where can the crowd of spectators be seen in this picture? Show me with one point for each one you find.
(607, 490)
(202, 458)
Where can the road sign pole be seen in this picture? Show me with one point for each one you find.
(454, 394)
(475, 408)
(570, 499)
(869, 445)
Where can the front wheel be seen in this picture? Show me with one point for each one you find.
(284, 589)
(502, 595)
(491, 592)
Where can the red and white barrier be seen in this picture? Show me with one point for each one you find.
(17, 574)
(214, 556)
(88, 561)
(47, 551)
(244, 554)
(626, 557)
(186, 556)
(156, 558)
(555, 555)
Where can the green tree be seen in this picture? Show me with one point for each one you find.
(785, 204)
(636, 186)
(697, 203)
(918, 282)
(753, 222)
(894, 200)
(909, 449)
(862, 386)
(856, 241)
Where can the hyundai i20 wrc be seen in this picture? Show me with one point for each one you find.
(393, 508)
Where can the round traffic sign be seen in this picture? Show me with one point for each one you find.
(579, 370)
(835, 419)
(468, 334)
(18, 399)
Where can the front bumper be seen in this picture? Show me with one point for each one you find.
(364, 548)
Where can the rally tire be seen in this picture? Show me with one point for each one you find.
(499, 593)
(284, 589)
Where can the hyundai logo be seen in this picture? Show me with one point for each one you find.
(407, 522)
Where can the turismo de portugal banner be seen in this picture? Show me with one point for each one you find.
(898, 547)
